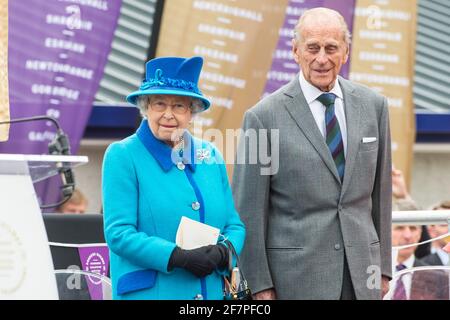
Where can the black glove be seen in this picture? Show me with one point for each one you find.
(196, 261)
(201, 261)
(219, 254)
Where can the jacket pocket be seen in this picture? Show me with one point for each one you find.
(285, 248)
(370, 146)
(136, 280)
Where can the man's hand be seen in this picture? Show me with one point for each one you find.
(447, 248)
(268, 294)
(384, 285)
(399, 189)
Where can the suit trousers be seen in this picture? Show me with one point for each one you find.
(348, 292)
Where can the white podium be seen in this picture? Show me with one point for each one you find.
(26, 266)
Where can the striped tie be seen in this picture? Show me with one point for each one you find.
(400, 290)
(334, 137)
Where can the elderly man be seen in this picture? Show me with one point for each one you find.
(319, 227)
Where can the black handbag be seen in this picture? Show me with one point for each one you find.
(235, 284)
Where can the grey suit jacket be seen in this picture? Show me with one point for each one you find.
(300, 220)
(433, 259)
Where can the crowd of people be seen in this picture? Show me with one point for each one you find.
(419, 250)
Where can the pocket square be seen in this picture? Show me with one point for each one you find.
(369, 139)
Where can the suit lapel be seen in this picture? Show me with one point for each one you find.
(352, 105)
(299, 110)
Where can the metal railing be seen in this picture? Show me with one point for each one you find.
(421, 217)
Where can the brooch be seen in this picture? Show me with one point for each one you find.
(203, 154)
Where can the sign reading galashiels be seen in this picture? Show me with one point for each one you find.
(57, 53)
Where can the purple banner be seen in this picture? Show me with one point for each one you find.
(57, 53)
(95, 260)
(284, 68)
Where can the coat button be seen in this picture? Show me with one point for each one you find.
(195, 205)
(198, 296)
(180, 165)
(337, 246)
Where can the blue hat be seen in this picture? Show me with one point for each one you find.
(174, 76)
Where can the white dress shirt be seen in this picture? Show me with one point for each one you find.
(442, 255)
(311, 94)
(407, 278)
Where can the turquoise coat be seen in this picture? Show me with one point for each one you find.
(147, 188)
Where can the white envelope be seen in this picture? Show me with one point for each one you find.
(192, 234)
(369, 139)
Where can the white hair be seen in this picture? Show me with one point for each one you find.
(143, 101)
(325, 13)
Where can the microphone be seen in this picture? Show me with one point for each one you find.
(59, 146)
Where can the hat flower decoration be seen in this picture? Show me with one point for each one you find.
(172, 76)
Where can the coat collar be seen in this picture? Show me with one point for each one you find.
(298, 107)
(353, 103)
(164, 154)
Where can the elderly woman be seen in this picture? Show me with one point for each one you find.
(155, 177)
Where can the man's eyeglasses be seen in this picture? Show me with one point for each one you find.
(161, 106)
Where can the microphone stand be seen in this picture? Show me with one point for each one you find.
(59, 146)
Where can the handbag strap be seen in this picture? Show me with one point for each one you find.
(232, 252)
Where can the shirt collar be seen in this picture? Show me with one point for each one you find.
(311, 92)
(166, 156)
(442, 255)
(409, 263)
